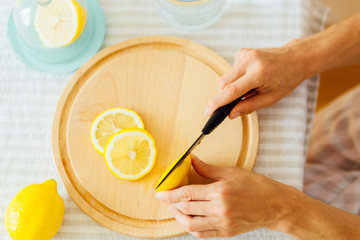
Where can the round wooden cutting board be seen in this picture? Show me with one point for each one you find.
(168, 82)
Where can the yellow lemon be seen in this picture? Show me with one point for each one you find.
(130, 153)
(35, 213)
(110, 122)
(177, 178)
(60, 22)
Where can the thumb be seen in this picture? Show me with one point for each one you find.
(207, 170)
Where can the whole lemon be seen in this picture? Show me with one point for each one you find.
(36, 212)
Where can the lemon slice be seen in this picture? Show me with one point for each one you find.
(60, 22)
(130, 153)
(110, 122)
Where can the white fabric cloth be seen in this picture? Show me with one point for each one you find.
(28, 99)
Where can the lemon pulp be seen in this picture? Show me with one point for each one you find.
(111, 121)
(130, 153)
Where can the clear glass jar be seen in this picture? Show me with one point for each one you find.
(24, 16)
(190, 15)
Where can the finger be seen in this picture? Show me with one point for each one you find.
(210, 171)
(191, 224)
(252, 104)
(230, 76)
(185, 193)
(195, 208)
(229, 93)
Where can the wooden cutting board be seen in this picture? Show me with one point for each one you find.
(168, 82)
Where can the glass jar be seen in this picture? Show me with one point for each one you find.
(190, 15)
(32, 26)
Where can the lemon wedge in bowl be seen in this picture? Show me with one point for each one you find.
(59, 22)
(130, 153)
(110, 122)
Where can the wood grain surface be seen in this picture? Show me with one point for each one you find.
(168, 82)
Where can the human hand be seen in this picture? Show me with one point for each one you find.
(239, 201)
(272, 72)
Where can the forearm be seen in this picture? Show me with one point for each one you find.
(308, 218)
(336, 46)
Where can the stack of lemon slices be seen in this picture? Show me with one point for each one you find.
(129, 150)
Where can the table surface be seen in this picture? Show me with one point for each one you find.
(28, 99)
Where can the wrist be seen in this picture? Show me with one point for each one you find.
(308, 218)
(291, 202)
(336, 46)
(310, 58)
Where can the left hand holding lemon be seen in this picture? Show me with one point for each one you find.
(237, 202)
(35, 213)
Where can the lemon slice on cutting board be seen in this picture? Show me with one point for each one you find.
(110, 122)
(130, 154)
(59, 23)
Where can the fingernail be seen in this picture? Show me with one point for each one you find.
(160, 195)
(206, 113)
(235, 115)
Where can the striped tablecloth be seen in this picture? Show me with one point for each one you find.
(28, 99)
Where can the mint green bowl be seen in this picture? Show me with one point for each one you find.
(67, 58)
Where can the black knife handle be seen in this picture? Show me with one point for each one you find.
(219, 115)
